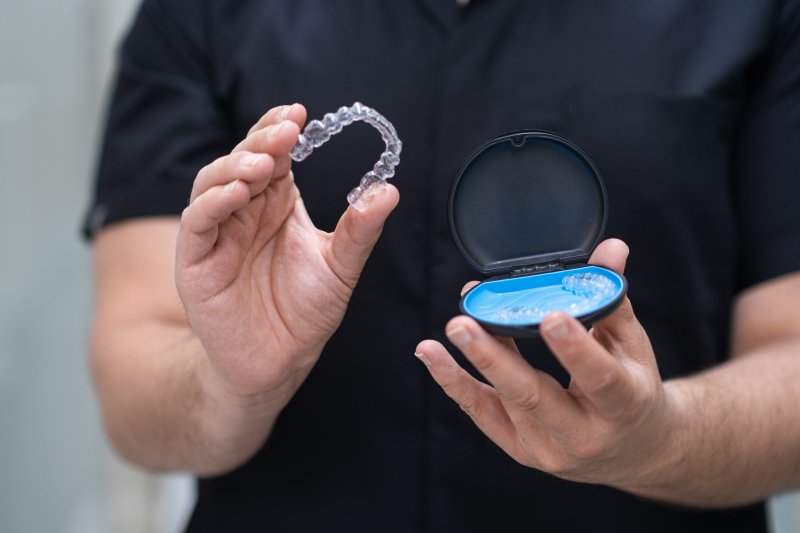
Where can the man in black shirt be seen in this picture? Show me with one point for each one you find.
(293, 393)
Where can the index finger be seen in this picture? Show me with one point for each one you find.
(600, 376)
(276, 140)
(294, 112)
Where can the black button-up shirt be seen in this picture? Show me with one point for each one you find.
(690, 108)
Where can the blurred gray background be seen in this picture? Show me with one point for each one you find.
(57, 473)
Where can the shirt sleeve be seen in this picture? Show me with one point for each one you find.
(767, 159)
(165, 121)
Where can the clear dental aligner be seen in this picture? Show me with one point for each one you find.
(589, 288)
(318, 132)
(588, 285)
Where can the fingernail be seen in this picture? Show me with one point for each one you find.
(424, 358)
(230, 186)
(275, 130)
(252, 160)
(557, 329)
(285, 111)
(459, 336)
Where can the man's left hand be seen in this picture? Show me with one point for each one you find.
(614, 424)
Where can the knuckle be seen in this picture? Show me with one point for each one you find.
(554, 463)
(469, 406)
(449, 387)
(570, 349)
(589, 450)
(543, 454)
(627, 307)
(484, 361)
(603, 383)
(205, 170)
(466, 400)
(192, 216)
(448, 381)
(528, 400)
(524, 457)
(209, 171)
(281, 167)
(213, 167)
(256, 127)
(640, 400)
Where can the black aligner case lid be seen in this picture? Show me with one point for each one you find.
(527, 202)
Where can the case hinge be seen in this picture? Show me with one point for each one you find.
(534, 269)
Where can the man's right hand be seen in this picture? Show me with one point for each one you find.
(263, 288)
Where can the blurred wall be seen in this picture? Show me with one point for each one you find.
(57, 473)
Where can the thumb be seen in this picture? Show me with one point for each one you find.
(357, 232)
(612, 254)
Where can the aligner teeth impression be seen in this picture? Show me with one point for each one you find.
(318, 132)
(589, 287)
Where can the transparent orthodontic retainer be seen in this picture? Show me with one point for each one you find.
(318, 132)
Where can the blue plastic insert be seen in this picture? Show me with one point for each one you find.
(584, 292)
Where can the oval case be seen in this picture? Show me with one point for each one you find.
(526, 210)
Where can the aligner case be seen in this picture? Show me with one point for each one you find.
(527, 209)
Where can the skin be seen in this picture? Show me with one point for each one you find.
(194, 378)
(619, 424)
(201, 338)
